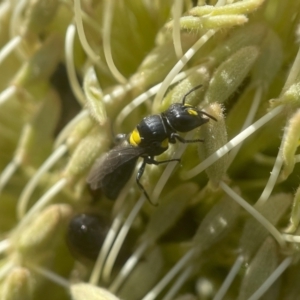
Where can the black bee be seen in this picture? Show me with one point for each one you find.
(150, 138)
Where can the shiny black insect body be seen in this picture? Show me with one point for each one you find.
(86, 234)
(150, 138)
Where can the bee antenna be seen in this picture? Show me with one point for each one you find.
(210, 116)
(192, 90)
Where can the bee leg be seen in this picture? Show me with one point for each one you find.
(138, 177)
(152, 161)
(149, 160)
(175, 136)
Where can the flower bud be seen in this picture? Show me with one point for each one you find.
(212, 22)
(42, 64)
(295, 214)
(86, 153)
(244, 7)
(17, 285)
(86, 291)
(216, 224)
(260, 268)
(40, 235)
(39, 14)
(290, 143)
(254, 233)
(215, 136)
(230, 74)
(169, 210)
(94, 96)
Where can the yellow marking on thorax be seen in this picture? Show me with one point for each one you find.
(135, 138)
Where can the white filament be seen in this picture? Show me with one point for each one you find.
(8, 172)
(107, 23)
(29, 188)
(229, 279)
(177, 11)
(79, 25)
(179, 65)
(233, 143)
(42, 202)
(169, 276)
(272, 278)
(120, 239)
(251, 210)
(109, 239)
(69, 46)
(128, 267)
(9, 47)
(249, 119)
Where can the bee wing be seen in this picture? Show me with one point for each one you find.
(113, 170)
